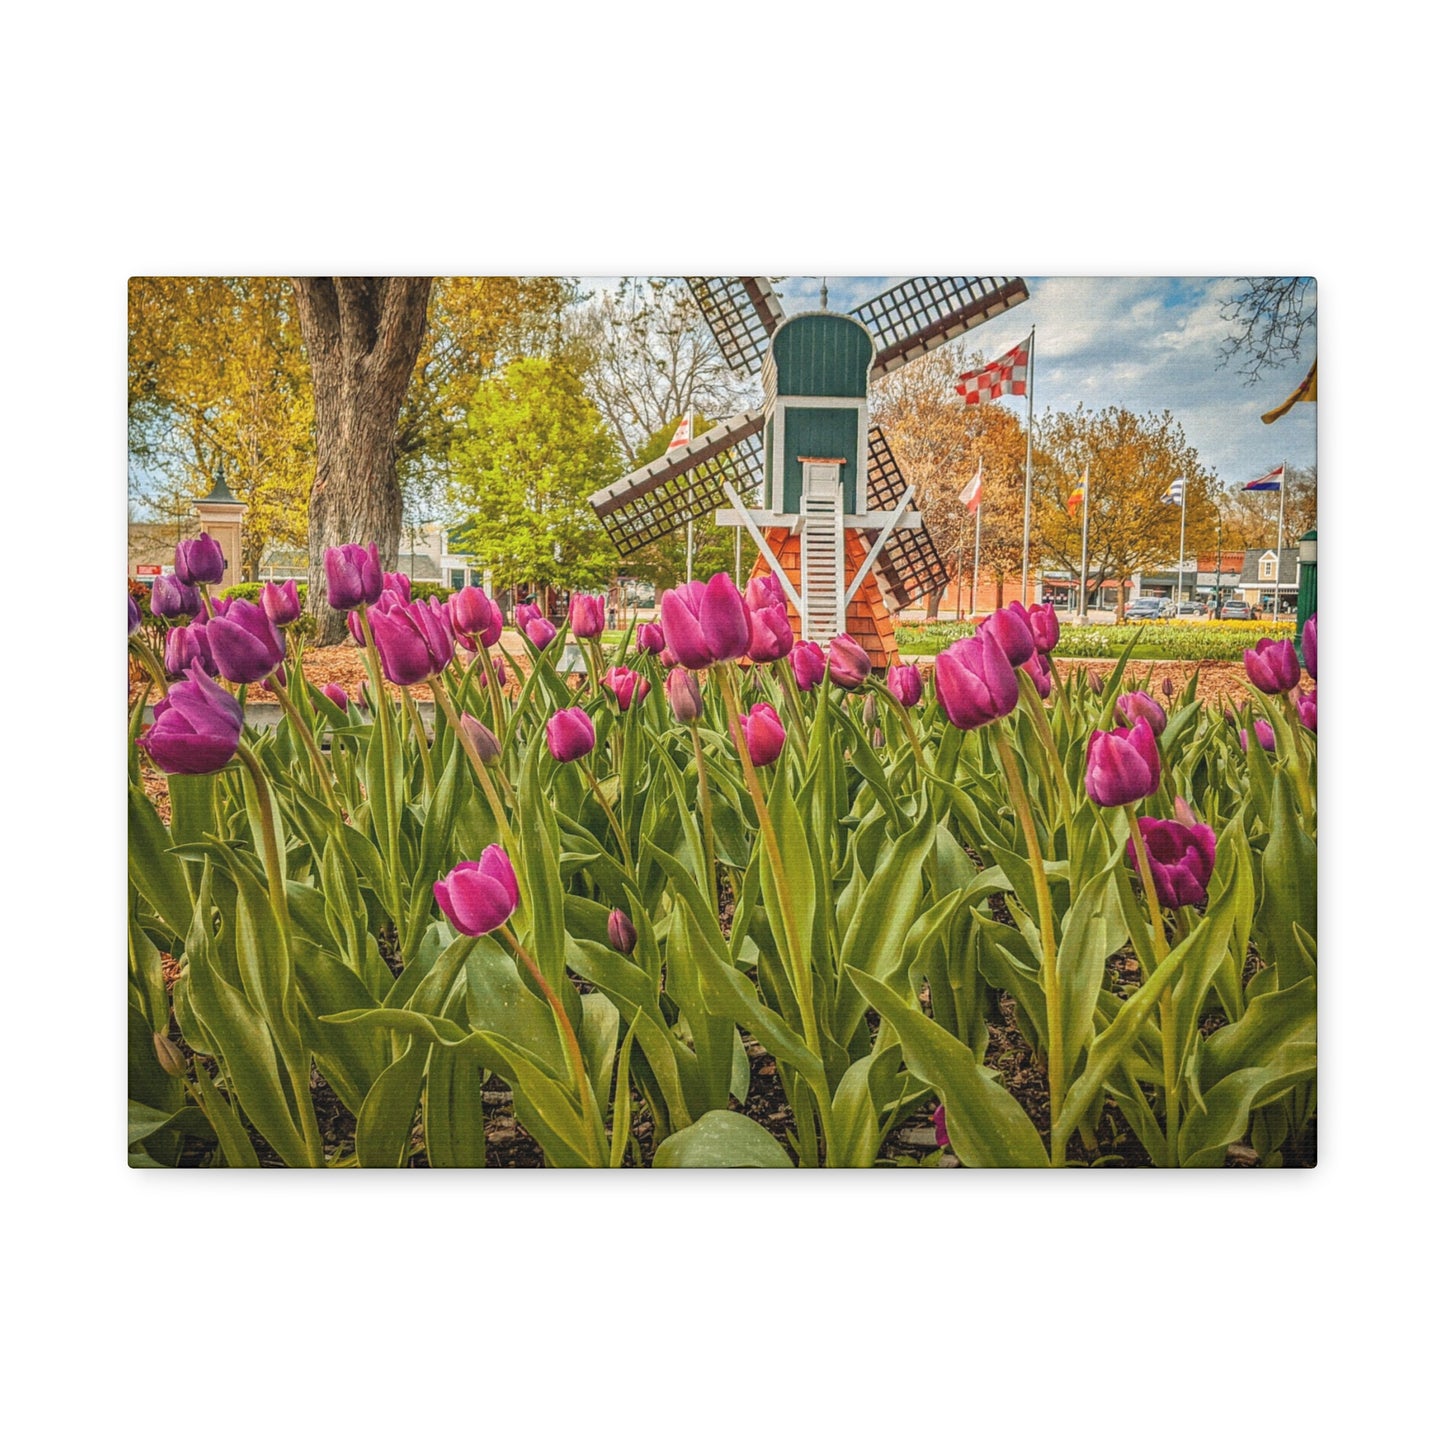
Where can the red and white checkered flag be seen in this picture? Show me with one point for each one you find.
(1008, 376)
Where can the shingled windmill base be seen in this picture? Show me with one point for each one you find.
(870, 623)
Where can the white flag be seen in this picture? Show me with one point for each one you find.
(1175, 495)
(971, 495)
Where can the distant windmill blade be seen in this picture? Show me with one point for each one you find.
(683, 485)
(742, 312)
(925, 311)
(909, 565)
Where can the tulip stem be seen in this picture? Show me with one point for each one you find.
(795, 704)
(381, 718)
(150, 662)
(494, 691)
(1049, 973)
(414, 718)
(313, 750)
(908, 728)
(704, 802)
(1040, 717)
(1166, 998)
(271, 850)
(799, 964)
(448, 708)
(569, 1034)
(617, 830)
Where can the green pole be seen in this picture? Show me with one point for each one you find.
(1308, 582)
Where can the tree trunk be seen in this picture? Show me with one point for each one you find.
(362, 335)
(934, 599)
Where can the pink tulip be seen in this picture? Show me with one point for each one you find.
(626, 686)
(570, 735)
(706, 622)
(905, 682)
(480, 897)
(763, 734)
(808, 664)
(1122, 766)
(974, 682)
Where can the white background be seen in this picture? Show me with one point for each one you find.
(164, 139)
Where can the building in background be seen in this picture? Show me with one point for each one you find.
(1266, 570)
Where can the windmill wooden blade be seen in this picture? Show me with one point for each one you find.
(925, 311)
(683, 484)
(909, 565)
(742, 313)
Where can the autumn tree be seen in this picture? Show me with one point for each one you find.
(1132, 461)
(939, 443)
(216, 379)
(1269, 318)
(534, 451)
(362, 336)
(1251, 519)
(649, 356)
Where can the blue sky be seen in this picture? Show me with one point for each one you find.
(1146, 343)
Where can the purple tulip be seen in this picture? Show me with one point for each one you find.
(540, 633)
(132, 616)
(1015, 634)
(1272, 666)
(1167, 687)
(197, 727)
(1039, 675)
(808, 664)
(244, 643)
(479, 897)
(763, 734)
(483, 740)
(621, 932)
(475, 618)
(770, 632)
(199, 560)
(1309, 643)
(940, 1127)
(570, 735)
(848, 664)
(587, 614)
(186, 647)
(1307, 705)
(1122, 766)
(974, 681)
(684, 696)
(705, 622)
(1181, 858)
(281, 604)
(398, 584)
(353, 576)
(171, 598)
(1263, 736)
(526, 612)
(626, 686)
(905, 682)
(220, 606)
(1134, 706)
(1096, 684)
(334, 692)
(650, 638)
(414, 641)
(1044, 624)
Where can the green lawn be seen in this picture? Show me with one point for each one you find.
(1159, 642)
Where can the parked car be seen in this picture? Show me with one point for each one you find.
(1191, 609)
(1238, 610)
(1146, 609)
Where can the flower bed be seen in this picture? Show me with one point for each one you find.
(683, 911)
(1180, 641)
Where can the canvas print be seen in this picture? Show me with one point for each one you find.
(722, 722)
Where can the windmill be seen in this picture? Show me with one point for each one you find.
(832, 512)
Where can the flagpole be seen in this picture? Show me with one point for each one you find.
(1084, 560)
(1028, 470)
(689, 520)
(1279, 545)
(1179, 586)
(977, 530)
(958, 614)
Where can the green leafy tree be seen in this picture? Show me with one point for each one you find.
(534, 450)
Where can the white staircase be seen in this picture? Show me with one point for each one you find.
(822, 549)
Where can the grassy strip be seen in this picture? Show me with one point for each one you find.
(1162, 641)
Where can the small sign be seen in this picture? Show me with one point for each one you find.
(148, 569)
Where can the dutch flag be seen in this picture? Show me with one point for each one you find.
(1269, 482)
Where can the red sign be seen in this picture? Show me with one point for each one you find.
(148, 569)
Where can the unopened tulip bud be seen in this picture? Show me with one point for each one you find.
(905, 682)
(848, 663)
(650, 638)
(281, 604)
(684, 696)
(1309, 645)
(808, 664)
(570, 735)
(620, 931)
(763, 734)
(1263, 736)
(540, 633)
(481, 737)
(1273, 666)
(353, 576)
(870, 711)
(171, 597)
(1096, 684)
(334, 692)
(1011, 629)
(587, 614)
(1307, 704)
(1167, 688)
(169, 1056)
(1135, 706)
